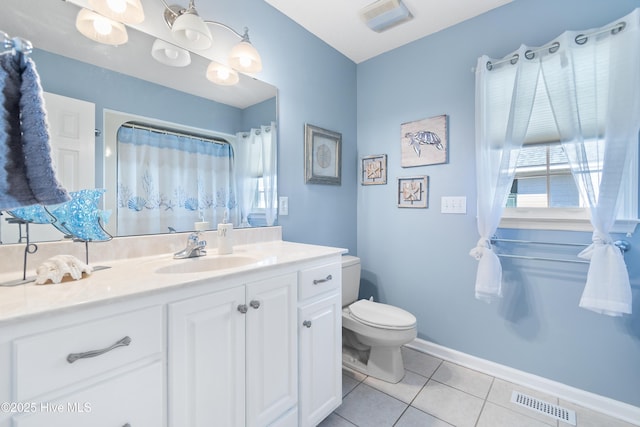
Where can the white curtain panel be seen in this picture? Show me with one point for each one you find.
(500, 131)
(256, 157)
(594, 90)
(593, 86)
(270, 171)
(169, 182)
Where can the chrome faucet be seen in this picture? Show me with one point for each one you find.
(195, 247)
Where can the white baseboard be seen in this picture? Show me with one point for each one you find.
(605, 405)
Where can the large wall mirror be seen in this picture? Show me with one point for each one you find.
(123, 85)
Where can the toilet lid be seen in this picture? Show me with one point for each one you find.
(382, 315)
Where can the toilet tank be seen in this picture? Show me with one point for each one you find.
(350, 279)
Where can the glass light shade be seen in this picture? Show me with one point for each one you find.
(169, 54)
(125, 11)
(244, 57)
(191, 31)
(100, 28)
(222, 75)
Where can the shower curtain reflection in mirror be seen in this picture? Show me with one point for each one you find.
(168, 181)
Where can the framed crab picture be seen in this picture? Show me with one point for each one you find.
(413, 192)
(425, 142)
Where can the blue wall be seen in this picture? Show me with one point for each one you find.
(316, 85)
(419, 259)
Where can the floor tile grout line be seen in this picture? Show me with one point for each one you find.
(484, 401)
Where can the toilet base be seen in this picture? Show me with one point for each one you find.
(384, 363)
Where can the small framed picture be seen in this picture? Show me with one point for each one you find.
(322, 152)
(413, 192)
(374, 169)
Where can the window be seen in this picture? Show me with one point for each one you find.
(544, 194)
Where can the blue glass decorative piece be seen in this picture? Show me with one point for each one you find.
(80, 216)
(35, 214)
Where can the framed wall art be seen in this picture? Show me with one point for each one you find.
(322, 152)
(374, 169)
(413, 192)
(425, 142)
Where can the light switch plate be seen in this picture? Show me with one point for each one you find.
(453, 205)
(283, 205)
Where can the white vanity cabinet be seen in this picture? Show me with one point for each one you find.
(320, 342)
(95, 371)
(233, 356)
(130, 346)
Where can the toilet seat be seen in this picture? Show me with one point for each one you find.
(382, 315)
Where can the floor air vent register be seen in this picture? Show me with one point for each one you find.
(553, 411)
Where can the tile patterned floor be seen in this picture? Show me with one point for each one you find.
(437, 393)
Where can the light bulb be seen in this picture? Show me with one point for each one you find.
(192, 35)
(102, 26)
(245, 61)
(118, 6)
(223, 73)
(171, 53)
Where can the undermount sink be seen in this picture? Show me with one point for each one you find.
(206, 263)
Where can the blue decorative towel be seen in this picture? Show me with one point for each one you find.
(27, 176)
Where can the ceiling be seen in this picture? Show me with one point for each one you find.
(338, 23)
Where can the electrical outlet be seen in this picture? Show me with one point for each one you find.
(283, 205)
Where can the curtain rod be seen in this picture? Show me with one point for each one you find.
(214, 139)
(553, 47)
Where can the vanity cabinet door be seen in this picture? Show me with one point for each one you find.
(206, 360)
(272, 368)
(320, 331)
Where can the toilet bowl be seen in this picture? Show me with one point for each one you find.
(372, 332)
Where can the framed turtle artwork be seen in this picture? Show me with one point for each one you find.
(425, 142)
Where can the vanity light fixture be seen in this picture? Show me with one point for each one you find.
(222, 75)
(169, 54)
(191, 31)
(101, 29)
(187, 27)
(125, 11)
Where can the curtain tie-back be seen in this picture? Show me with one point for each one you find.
(599, 239)
(483, 244)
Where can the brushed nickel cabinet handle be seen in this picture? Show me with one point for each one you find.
(72, 357)
(255, 304)
(242, 308)
(326, 279)
(307, 323)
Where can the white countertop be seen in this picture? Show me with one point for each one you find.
(137, 276)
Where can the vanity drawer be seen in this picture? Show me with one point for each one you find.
(133, 398)
(314, 281)
(58, 358)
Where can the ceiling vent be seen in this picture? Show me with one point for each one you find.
(384, 14)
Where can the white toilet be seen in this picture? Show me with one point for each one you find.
(372, 333)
